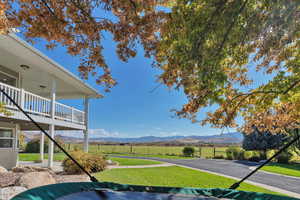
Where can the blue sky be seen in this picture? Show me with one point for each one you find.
(130, 109)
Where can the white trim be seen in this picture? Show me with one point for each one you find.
(37, 105)
(86, 122)
(13, 138)
(55, 64)
(11, 76)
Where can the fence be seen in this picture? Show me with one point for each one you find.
(200, 151)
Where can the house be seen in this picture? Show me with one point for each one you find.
(37, 84)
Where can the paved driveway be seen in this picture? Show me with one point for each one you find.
(238, 169)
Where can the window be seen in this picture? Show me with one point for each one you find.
(8, 79)
(6, 138)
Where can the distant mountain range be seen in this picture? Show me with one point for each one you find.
(234, 137)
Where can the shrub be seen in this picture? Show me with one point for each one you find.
(247, 155)
(33, 146)
(262, 141)
(234, 153)
(270, 153)
(171, 154)
(91, 162)
(219, 157)
(255, 156)
(21, 141)
(263, 155)
(188, 151)
(240, 155)
(285, 157)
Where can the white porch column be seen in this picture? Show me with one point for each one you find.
(52, 126)
(42, 142)
(17, 133)
(86, 120)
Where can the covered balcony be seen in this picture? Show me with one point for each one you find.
(39, 85)
(40, 109)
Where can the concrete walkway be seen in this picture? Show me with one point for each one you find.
(237, 170)
(57, 166)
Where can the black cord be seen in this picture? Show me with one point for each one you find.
(237, 184)
(92, 178)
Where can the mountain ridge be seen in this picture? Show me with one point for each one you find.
(234, 137)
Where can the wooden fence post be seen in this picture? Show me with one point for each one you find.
(98, 147)
(214, 151)
(131, 149)
(200, 151)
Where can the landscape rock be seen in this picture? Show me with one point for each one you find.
(8, 179)
(2, 170)
(110, 162)
(26, 169)
(35, 179)
(9, 192)
(63, 178)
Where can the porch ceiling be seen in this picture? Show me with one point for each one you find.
(38, 78)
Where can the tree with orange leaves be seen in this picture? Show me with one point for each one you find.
(216, 50)
(202, 46)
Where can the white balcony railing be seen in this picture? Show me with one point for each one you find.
(38, 105)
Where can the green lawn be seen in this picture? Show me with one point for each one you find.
(174, 177)
(152, 156)
(36, 156)
(285, 169)
(132, 162)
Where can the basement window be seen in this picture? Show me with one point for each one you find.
(6, 138)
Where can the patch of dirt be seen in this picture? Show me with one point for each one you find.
(62, 178)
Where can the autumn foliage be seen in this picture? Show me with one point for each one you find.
(215, 50)
(241, 58)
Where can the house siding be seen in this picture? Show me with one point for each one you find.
(9, 156)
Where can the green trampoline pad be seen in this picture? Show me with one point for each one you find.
(114, 191)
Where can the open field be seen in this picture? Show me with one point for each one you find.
(152, 156)
(150, 150)
(174, 177)
(285, 169)
(169, 152)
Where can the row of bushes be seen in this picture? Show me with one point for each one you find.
(235, 153)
